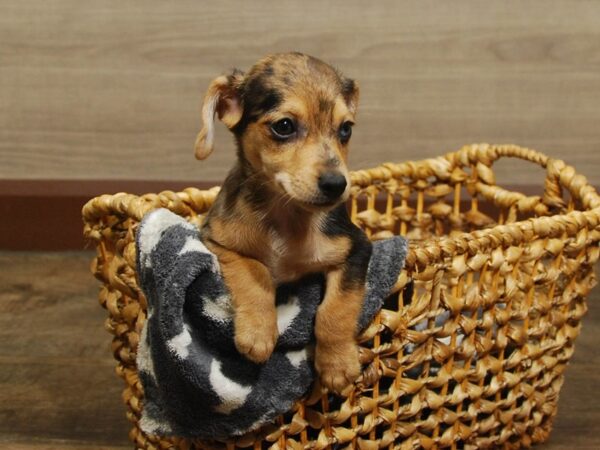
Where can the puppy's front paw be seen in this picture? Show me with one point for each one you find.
(338, 366)
(255, 335)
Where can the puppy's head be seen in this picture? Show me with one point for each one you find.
(292, 116)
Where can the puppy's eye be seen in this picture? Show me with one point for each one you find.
(345, 131)
(283, 129)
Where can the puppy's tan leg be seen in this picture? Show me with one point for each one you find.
(336, 357)
(253, 296)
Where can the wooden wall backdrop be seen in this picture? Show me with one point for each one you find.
(111, 89)
(101, 97)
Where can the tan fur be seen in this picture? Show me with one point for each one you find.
(296, 248)
(262, 244)
(303, 159)
(252, 293)
(220, 101)
(336, 356)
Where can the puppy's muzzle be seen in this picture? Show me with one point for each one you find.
(332, 185)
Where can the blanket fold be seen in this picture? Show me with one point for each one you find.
(195, 382)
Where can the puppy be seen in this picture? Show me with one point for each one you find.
(281, 211)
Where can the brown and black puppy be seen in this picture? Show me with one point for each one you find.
(280, 213)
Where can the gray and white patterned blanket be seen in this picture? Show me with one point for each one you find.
(195, 382)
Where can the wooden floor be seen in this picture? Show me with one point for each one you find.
(58, 389)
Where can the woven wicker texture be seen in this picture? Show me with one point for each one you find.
(473, 358)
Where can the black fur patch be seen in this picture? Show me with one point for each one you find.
(333, 162)
(258, 97)
(231, 190)
(268, 69)
(235, 74)
(338, 223)
(348, 88)
(257, 194)
(357, 262)
(325, 105)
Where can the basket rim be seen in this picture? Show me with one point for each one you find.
(429, 251)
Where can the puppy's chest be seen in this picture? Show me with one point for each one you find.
(293, 255)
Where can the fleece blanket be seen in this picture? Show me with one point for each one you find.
(195, 382)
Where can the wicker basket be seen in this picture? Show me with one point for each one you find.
(472, 356)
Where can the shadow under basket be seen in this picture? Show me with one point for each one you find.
(470, 348)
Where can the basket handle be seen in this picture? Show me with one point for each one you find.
(559, 175)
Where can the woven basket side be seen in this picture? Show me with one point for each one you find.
(489, 373)
(496, 306)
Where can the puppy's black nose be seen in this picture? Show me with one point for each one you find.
(332, 184)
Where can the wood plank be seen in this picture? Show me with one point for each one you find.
(57, 379)
(46, 214)
(113, 91)
(92, 188)
(59, 445)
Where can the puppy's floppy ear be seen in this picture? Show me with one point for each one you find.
(350, 92)
(222, 99)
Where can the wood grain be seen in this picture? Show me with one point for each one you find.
(57, 384)
(112, 89)
(57, 378)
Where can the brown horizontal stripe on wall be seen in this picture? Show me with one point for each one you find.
(46, 214)
(92, 188)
